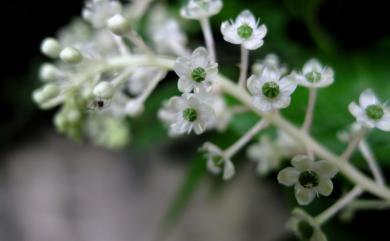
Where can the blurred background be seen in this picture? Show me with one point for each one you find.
(52, 188)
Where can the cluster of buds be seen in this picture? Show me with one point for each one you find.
(104, 71)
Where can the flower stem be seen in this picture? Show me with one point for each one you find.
(208, 36)
(340, 204)
(353, 144)
(372, 163)
(233, 149)
(152, 85)
(310, 110)
(369, 204)
(243, 67)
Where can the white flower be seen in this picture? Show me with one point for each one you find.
(308, 177)
(314, 75)
(288, 146)
(245, 30)
(196, 72)
(217, 162)
(269, 91)
(371, 112)
(198, 9)
(305, 226)
(270, 61)
(140, 79)
(97, 12)
(265, 154)
(186, 113)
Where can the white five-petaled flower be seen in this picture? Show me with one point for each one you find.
(245, 30)
(186, 113)
(314, 75)
(269, 91)
(305, 226)
(217, 162)
(270, 61)
(196, 72)
(308, 177)
(198, 9)
(371, 112)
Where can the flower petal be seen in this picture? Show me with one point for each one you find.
(302, 162)
(262, 103)
(199, 58)
(253, 43)
(228, 170)
(212, 167)
(287, 85)
(254, 85)
(185, 85)
(303, 195)
(288, 176)
(260, 32)
(325, 187)
(182, 66)
(384, 123)
(282, 102)
(229, 33)
(368, 98)
(247, 17)
(312, 65)
(325, 169)
(355, 110)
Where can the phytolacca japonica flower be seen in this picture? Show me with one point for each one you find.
(245, 30)
(195, 72)
(198, 9)
(186, 113)
(308, 178)
(314, 75)
(371, 112)
(217, 162)
(305, 226)
(269, 91)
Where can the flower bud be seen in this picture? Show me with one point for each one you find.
(47, 92)
(104, 90)
(48, 72)
(51, 47)
(71, 55)
(134, 108)
(118, 25)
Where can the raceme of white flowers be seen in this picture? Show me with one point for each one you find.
(103, 72)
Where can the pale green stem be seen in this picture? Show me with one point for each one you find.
(310, 109)
(371, 161)
(240, 143)
(353, 144)
(369, 204)
(232, 89)
(337, 206)
(243, 67)
(208, 37)
(139, 42)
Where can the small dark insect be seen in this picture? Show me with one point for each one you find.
(98, 104)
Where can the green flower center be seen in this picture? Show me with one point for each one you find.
(271, 89)
(198, 74)
(190, 114)
(218, 161)
(374, 112)
(309, 179)
(313, 76)
(305, 230)
(245, 31)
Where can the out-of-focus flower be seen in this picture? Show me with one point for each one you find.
(371, 112)
(217, 162)
(265, 154)
(270, 61)
(186, 113)
(245, 30)
(269, 91)
(305, 226)
(97, 12)
(198, 9)
(314, 75)
(308, 178)
(196, 72)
